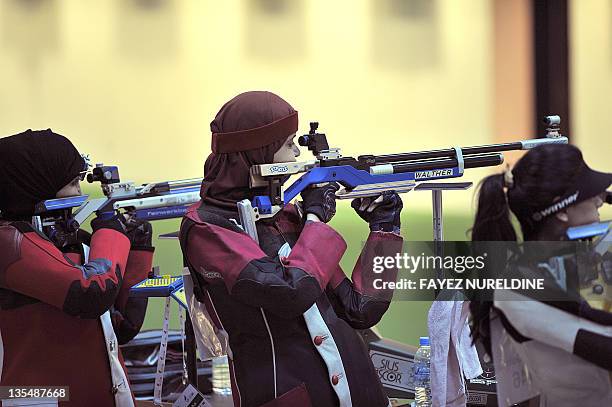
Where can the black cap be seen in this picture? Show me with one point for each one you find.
(588, 183)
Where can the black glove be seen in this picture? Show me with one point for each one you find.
(320, 201)
(383, 215)
(117, 223)
(140, 233)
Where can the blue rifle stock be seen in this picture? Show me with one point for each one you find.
(54, 217)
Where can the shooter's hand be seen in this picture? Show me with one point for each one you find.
(320, 201)
(382, 213)
(117, 223)
(140, 233)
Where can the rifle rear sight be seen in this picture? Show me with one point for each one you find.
(104, 174)
(316, 142)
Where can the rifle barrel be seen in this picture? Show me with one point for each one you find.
(184, 183)
(466, 151)
(473, 161)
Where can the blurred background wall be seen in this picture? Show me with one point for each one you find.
(137, 82)
(591, 78)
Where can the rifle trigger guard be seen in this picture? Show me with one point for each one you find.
(460, 160)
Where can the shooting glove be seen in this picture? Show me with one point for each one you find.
(382, 213)
(117, 223)
(320, 201)
(140, 233)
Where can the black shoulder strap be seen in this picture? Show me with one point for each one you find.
(24, 227)
(219, 217)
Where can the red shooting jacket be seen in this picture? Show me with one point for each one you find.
(50, 308)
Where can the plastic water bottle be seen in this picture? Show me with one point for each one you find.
(422, 389)
(221, 376)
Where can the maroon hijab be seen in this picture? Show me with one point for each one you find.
(247, 131)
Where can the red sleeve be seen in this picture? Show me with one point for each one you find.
(358, 301)
(138, 266)
(43, 272)
(129, 313)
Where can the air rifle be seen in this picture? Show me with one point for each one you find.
(369, 175)
(60, 219)
(154, 201)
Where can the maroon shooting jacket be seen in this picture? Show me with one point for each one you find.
(291, 318)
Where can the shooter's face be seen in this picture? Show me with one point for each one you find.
(71, 189)
(585, 212)
(288, 152)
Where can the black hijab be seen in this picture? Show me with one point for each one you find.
(34, 166)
